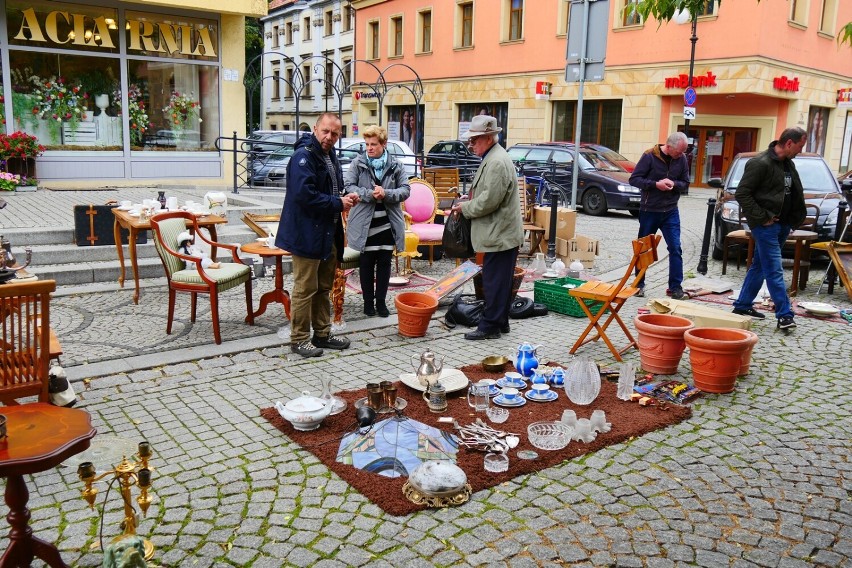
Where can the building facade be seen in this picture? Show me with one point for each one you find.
(308, 50)
(507, 58)
(121, 92)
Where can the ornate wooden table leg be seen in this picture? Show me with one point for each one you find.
(278, 295)
(23, 546)
(116, 233)
(338, 290)
(131, 245)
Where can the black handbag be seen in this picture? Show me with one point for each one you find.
(465, 310)
(456, 240)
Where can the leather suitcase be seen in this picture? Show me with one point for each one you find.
(93, 226)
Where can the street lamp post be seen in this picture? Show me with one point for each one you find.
(694, 40)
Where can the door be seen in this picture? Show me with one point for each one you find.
(713, 150)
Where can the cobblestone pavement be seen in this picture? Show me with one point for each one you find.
(758, 477)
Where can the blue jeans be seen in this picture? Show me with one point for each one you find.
(766, 265)
(667, 223)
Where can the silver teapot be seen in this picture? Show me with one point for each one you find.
(429, 368)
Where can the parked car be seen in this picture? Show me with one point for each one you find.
(264, 142)
(170, 138)
(821, 189)
(845, 181)
(271, 170)
(453, 154)
(610, 154)
(349, 148)
(601, 184)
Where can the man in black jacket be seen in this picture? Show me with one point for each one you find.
(771, 197)
(312, 231)
(662, 174)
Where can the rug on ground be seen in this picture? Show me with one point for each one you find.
(628, 420)
(724, 299)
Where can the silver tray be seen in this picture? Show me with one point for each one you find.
(451, 379)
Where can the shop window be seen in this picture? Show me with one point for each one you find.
(563, 17)
(173, 37)
(69, 102)
(629, 13)
(799, 11)
(601, 122)
(828, 18)
(306, 29)
(500, 111)
(55, 25)
(396, 37)
(182, 105)
(464, 24)
(373, 39)
(424, 30)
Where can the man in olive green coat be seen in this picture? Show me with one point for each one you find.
(496, 228)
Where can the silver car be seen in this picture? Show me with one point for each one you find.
(349, 148)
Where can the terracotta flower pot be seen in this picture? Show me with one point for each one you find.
(746, 362)
(517, 279)
(414, 311)
(716, 355)
(660, 341)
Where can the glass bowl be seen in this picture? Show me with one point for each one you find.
(496, 463)
(549, 435)
(496, 414)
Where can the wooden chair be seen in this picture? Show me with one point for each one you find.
(613, 296)
(741, 239)
(841, 258)
(446, 184)
(196, 280)
(25, 344)
(532, 232)
(420, 209)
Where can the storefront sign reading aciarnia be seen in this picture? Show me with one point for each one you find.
(158, 37)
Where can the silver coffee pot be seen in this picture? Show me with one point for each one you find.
(429, 367)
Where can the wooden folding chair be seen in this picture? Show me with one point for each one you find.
(841, 258)
(613, 296)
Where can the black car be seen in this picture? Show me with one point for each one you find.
(601, 184)
(821, 190)
(453, 154)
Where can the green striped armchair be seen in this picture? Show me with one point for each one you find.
(195, 279)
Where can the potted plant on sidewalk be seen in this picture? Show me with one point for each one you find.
(18, 153)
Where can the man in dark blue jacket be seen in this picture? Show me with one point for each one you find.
(312, 231)
(662, 174)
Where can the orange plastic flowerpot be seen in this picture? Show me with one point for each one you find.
(746, 362)
(660, 341)
(414, 312)
(716, 355)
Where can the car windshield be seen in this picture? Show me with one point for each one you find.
(599, 161)
(815, 176)
(281, 154)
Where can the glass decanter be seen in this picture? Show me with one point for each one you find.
(338, 405)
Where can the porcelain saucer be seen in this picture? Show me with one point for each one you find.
(549, 396)
(818, 308)
(500, 400)
(504, 382)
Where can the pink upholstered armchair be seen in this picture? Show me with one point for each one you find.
(420, 209)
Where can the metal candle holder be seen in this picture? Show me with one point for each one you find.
(128, 473)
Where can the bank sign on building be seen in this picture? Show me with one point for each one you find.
(125, 91)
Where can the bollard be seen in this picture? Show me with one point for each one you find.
(705, 244)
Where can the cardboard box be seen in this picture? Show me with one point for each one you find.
(583, 249)
(703, 316)
(566, 222)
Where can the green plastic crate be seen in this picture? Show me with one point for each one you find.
(552, 294)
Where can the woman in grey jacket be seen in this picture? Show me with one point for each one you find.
(376, 224)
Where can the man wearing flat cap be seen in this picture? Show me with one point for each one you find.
(496, 228)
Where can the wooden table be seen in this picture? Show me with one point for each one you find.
(40, 436)
(801, 256)
(123, 220)
(279, 294)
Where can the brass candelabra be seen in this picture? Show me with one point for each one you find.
(127, 473)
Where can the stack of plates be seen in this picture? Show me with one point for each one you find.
(519, 400)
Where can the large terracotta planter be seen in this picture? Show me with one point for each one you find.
(746, 362)
(716, 355)
(660, 341)
(414, 311)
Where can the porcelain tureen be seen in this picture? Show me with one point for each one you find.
(305, 412)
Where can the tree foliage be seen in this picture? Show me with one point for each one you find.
(254, 47)
(665, 10)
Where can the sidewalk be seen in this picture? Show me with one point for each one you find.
(758, 477)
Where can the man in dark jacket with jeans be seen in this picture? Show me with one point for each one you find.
(662, 174)
(771, 197)
(312, 231)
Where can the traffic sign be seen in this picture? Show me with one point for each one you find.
(690, 96)
(688, 112)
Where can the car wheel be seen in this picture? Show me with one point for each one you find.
(594, 201)
(717, 250)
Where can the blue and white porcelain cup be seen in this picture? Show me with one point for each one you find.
(514, 378)
(540, 390)
(509, 394)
